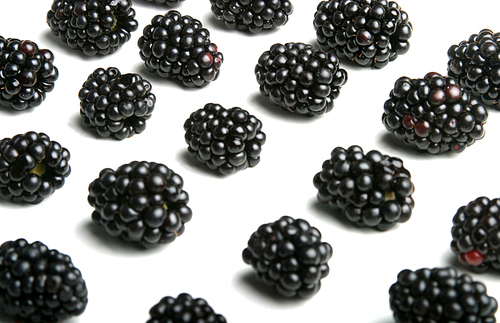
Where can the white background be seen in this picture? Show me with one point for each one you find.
(124, 281)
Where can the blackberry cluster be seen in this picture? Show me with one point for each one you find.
(367, 32)
(38, 284)
(116, 105)
(96, 27)
(252, 15)
(141, 202)
(183, 308)
(476, 64)
(224, 140)
(300, 79)
(440, 295)
(476, 234)
(178, 47)
(168, 3)
(32, 167)
(370, 189)
(289, 255)
(27, 73)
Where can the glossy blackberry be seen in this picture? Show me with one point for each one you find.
(116, 105)
(178, 47)
(300, 79)
(252, 15)
(38, 284)
(440, 295)
(289, 255)
(370, 189)
(27, 73)
(168, 3)
(476, 63)
(434, 114)
(96, 27)
(32, 167)
(183, 308)
(143, 202)
(367, 32)
(226, 140)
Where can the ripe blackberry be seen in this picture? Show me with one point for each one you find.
(183, 308)
(178, 47)
(224, 140)
(370, 189)
(476, 63)
(300, 79)
(141, 201)
(440, 295)
(38, 284)
(252, 15)
(168, 3)
(116, 105)
(32, 167)
(27, 73)
(96, 27)
(289, 255)
(368, 32)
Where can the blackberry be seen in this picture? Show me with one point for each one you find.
(367, 32)
(116, 105)
(168, 3)
(370, 189)
(434, 114)
(96, 27)
(183, 308)
(27, 73)
(289, 255)
(300, 79)
(440, 295)
(143, 202)
(476, 63)
(38, 284)
(252, 15)
(32, 167)
(178, 47)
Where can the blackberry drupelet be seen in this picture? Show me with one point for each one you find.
(300, 79)
(434, 114)
(252, 15)
(178, 47)
(183, 308)
(370, 189)
(440, 295)
(226, 140)
(367, 32)
(32, 167)
(27, 73)
(96, 27)
(168, 3)
(38, 284)
(289, 255)
(116, 105)
(142, 202)
(476, 63)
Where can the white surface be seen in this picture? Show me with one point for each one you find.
(125, 281)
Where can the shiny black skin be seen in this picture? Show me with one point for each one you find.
(168, 3)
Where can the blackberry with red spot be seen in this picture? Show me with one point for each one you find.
(95, 27)
(476, 64)
(142, 202)
(434, 114)
(371, 190)
(38, 284)
(253, 16)
(168, 3)
(116, 105)
(299, 78)
(226, 140)
(288, 255)
(367, 32)
(440, 294)
(27, 73)
(178, 47)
